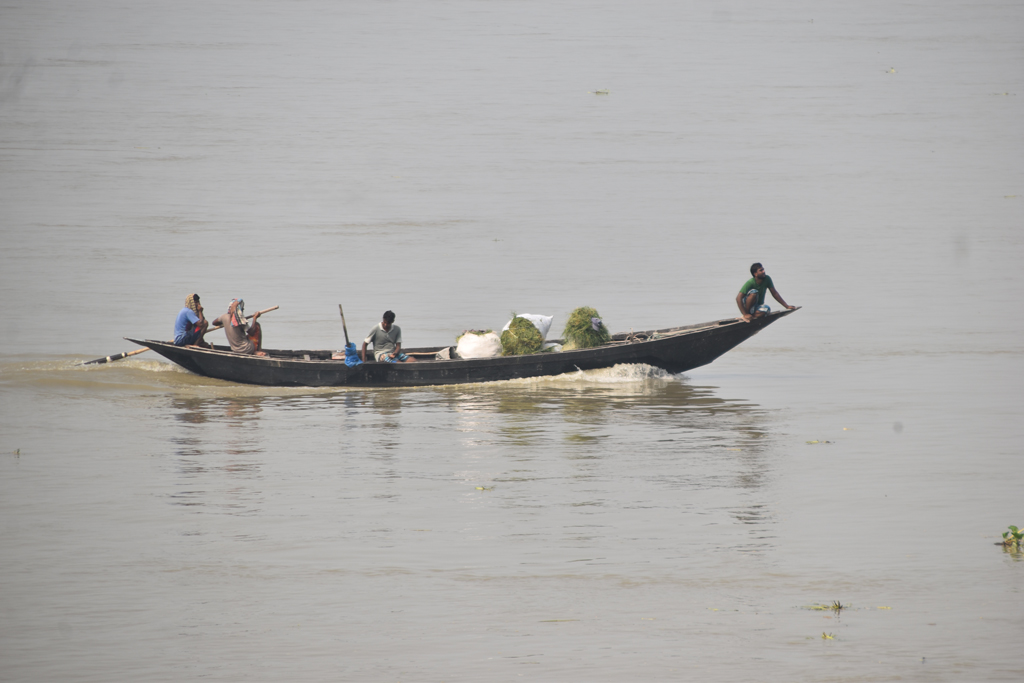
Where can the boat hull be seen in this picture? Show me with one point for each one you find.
(674, 349)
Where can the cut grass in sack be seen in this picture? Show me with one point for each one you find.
(541, 322)
(584, 329)
(521, 337)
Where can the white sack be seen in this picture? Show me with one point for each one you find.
(479, 345)
(541, 322)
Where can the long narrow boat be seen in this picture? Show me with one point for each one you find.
(676, 349)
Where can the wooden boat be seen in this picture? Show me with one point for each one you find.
(675, 349)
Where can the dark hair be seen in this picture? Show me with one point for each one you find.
(389, 316)
(754, 267)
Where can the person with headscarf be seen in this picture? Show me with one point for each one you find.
(190, 325)
(245, 336)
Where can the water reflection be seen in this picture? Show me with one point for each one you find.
(1014, 551)
(385, 411)
(581, 445)
(656, 434)
(233, 410)
(217, 450)
(587, 417)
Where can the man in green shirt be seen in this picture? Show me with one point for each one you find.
(751, 296)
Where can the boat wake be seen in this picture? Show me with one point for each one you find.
(137, 373)
(69, 372)
(626, 373)
(10, 367)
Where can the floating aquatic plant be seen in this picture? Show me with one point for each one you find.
(584, 329)
(1013, 537)
(836, 606)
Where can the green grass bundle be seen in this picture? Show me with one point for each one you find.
(521, 337)
(579, 329)
(478, 333)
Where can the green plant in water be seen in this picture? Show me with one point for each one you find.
(1013, 537)
(579, 329)
(521, 337)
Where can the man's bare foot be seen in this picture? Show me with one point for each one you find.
(261, 353)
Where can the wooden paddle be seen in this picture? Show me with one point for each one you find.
(343, 325)
(111, 359)
(119, 356)
(248, 317)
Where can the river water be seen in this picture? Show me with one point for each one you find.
(453, 162)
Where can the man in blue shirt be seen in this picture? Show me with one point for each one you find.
(190, 325)
(751, 296)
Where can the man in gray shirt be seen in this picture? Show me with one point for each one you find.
(387, 342)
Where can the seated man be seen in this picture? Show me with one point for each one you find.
(751, 296)
(190, 325)
(387, 342)
(244, 336)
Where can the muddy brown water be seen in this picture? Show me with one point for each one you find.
(450, 161)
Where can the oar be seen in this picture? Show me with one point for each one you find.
(248, 317)
(343, 325)
(110, 359)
